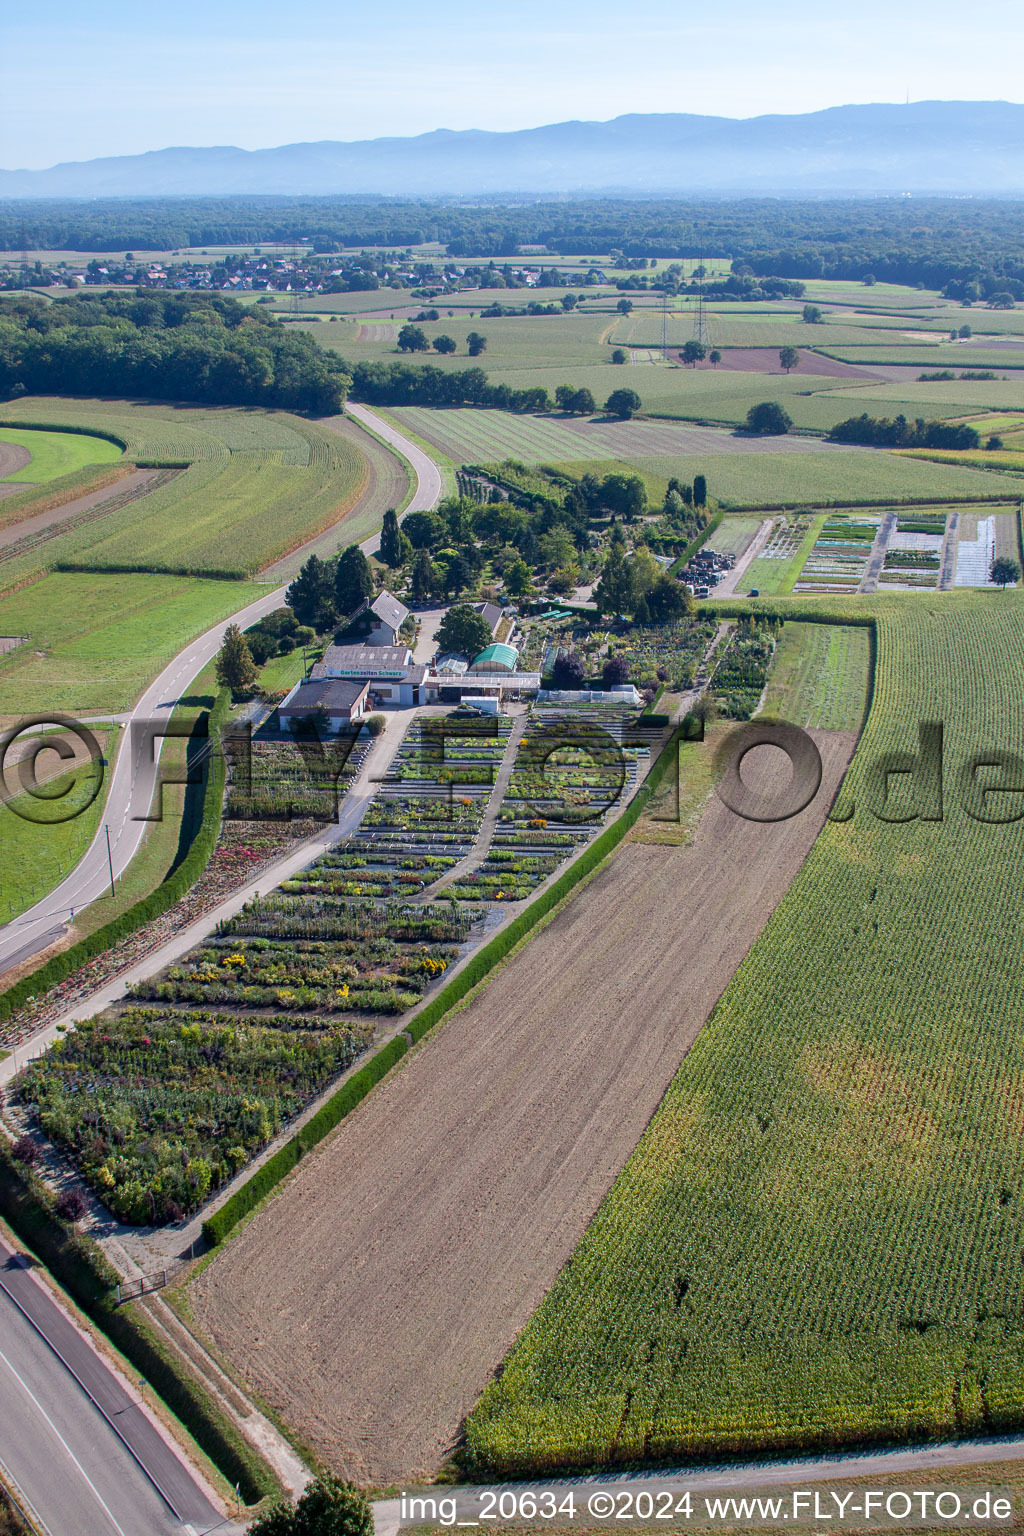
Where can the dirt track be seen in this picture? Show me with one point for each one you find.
(12, 458)
(133, 481)
(370, 1302)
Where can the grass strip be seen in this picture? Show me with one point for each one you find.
(152, 906)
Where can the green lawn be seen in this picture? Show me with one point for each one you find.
(817, 1242)
(820, 676)
(95, 640)
(57, 453)
(36, 854)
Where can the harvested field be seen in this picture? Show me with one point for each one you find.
(766, 360)
(373, 1298)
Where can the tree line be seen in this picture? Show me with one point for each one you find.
(934, 241)
(899, 432)
(206, 348)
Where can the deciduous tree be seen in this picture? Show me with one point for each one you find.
(623, 403)
(463, 630)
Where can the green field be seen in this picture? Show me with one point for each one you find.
(256, 485)
(38, 855)
(820, 676)
(733, 534)
(817, 1241)
(777, 568)
(57, 453)
(829, 478)
(95, 639)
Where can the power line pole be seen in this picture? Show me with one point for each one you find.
(701, 332)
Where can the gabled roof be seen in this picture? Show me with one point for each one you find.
(385, 608)
(491, 612)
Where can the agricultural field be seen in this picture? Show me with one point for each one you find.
(257, 484)
(741, 471)
(96, 639)
(838, 560)
(781, 558)
(845, 1116)
(733, 535)
(820, 676)
(546, 1087)
(52, 454)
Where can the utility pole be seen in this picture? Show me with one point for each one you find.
(700, 319)
(110, 862)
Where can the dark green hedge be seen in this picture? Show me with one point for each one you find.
(280, 1165)
(355, 1088)
(146, 568)
(695, 544)
(54, 426)
(80, 1266)
(151, 906)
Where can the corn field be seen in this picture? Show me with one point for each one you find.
(818, 1240)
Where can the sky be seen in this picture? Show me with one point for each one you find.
(89, 81)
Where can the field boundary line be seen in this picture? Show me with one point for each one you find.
(473, 973)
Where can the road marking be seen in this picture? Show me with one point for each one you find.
(99, 1497)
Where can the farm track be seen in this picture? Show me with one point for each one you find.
(12, 458)
(439, 1214)
(28, 534)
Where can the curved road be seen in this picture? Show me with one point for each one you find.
(134, 772)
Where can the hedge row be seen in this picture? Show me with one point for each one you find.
(151, 906)
(55, 426)
(691, 549)
(147, 568)
(79, 1265)
(217, 1227)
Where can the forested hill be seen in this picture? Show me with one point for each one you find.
(924, 146)
(205, 348)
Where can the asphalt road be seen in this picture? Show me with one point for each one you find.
(81, 1475)
(133, 774)
(428, 477)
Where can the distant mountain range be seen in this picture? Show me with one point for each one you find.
(926, 147)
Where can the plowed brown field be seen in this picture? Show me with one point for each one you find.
(372, 1299)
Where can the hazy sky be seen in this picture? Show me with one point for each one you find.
(77, 81)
